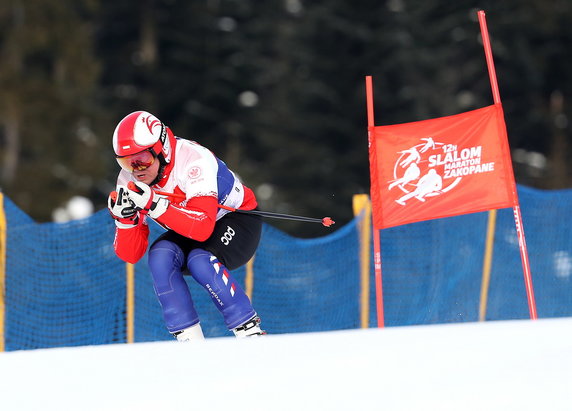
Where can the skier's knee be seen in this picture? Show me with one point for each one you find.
(165, 257)
(166, 262)
(199, 264)
(166, 253)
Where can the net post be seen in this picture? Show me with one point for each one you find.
(2, 273)
(362, 207)
(487, 261)
(249, 278)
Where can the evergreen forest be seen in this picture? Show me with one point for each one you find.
(275, 88)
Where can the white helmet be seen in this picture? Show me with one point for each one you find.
(140, 131)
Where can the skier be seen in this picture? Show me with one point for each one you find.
(200, 237)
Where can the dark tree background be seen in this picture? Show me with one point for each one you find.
(275, 88)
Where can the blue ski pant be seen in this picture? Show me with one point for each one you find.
(233, 242)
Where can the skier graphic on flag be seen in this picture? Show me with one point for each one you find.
(428, 184)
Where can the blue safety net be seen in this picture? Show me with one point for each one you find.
(432, 271)
(64, 286)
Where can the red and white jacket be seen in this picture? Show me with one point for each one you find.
(202, 182)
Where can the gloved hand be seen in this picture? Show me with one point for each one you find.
(146, 201)
(122, 209)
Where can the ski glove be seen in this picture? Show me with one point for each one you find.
(146, 201)
(122, 209)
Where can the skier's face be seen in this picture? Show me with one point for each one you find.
(148, 174)
(144, 165)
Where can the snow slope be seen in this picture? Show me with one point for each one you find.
(508, 365)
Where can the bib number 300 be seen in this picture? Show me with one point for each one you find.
(227, 236)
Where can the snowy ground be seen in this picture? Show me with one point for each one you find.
(515, 365)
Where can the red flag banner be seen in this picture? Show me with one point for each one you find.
(440, 167)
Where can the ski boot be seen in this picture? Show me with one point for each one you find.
(193, 333)
(251, 328)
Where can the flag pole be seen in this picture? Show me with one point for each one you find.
(516, 209)
(375, 231)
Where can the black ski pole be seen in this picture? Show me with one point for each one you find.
(326, 221)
